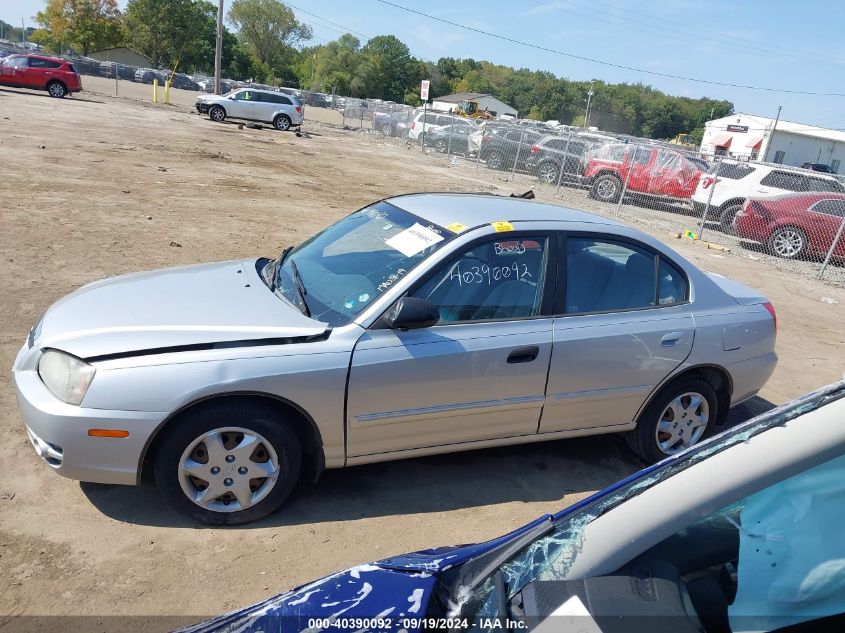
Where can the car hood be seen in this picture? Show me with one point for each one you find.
(397, 589)
(224, 302)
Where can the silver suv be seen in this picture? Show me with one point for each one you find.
(265, 106)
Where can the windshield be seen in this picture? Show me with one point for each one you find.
(341, 270)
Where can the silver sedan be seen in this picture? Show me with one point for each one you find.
(421, 324)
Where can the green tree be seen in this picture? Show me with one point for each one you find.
(390, 69)
(270, 29)
(85, 25)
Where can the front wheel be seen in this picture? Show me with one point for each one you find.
(282, 122)
(441, 146)
(385, 129)
(228, 464)
(56, 89)
(217, 114)
(676, 419)
(607, 188)
(547, 172)
(495, 160)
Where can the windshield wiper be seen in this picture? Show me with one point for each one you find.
(278, 268)
(300, 288)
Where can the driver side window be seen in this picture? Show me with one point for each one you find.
(497, 279)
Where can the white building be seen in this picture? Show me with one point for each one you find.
(485, 102)
(749, 137)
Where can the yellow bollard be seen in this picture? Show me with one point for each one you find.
(155, 90)
(167, 92)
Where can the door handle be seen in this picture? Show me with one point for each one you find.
(524, 354)
(673, 338)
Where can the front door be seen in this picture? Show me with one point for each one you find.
(626, 326)
(243, 105)
(480, 373)
(14, 71)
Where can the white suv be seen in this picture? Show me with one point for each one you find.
(738, 181)
(435, 121)
(283, 110)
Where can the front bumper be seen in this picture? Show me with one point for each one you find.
(59, 431)
(202, 108)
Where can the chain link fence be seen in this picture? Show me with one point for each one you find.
(789, 217)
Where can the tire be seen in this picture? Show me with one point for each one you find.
(606, 188)
(495, 160)
(441, 146)
(728, 217)
(56, 89)
(217, 114)
(282, 122)
(696, 407)
(788, 242)
(385, 129)
(267, 444)
(548, 172)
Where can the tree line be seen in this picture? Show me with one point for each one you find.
(267, 44)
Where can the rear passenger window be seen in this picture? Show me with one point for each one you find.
(785, 180)
(823, 184)
(672, 285)
(830, 207)
(605, 275)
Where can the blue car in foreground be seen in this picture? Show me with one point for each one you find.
(741, 533)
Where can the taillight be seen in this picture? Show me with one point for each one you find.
(706, 181)
(771, 310)
(299, 108)
(413, 125)
(534, 149)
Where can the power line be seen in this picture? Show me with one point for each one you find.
(611, 64)
(346, 29)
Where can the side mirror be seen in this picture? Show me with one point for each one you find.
(411, 313)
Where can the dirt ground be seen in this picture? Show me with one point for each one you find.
(94, 186)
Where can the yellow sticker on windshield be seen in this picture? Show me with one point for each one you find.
(457, 227)
(502, 226)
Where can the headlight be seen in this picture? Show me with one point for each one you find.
(65, 376)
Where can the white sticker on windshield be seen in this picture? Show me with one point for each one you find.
(413, 240)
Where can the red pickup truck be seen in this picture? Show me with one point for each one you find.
(654, 171)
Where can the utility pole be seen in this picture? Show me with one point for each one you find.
(772, 135)
(23, 32)
(218, 48)
(313, 61)
(589, 100)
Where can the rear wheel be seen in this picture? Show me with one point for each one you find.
(788, 242)
(56, 89)
(217, 114)
(728, 219)
(385, 129)
(282, 122)
(441, 146)
(228, 464)
(677, 418)
(606, 188)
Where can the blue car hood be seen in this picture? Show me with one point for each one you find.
(398, 588)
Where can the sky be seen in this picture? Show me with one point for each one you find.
(774, 44)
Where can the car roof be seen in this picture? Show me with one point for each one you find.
(475, 210)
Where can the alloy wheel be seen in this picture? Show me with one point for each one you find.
(606, 189)
(548, 173)
(228, 469)
(788, 243)
(682, 422)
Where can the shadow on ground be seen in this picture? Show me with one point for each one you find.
(541, 472)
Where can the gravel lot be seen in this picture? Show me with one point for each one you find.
(95, 186)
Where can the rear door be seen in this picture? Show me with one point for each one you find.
(641, 163)
(623, 326)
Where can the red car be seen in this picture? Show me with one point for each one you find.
(57, 76)
(795, 226)
(655, 171)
